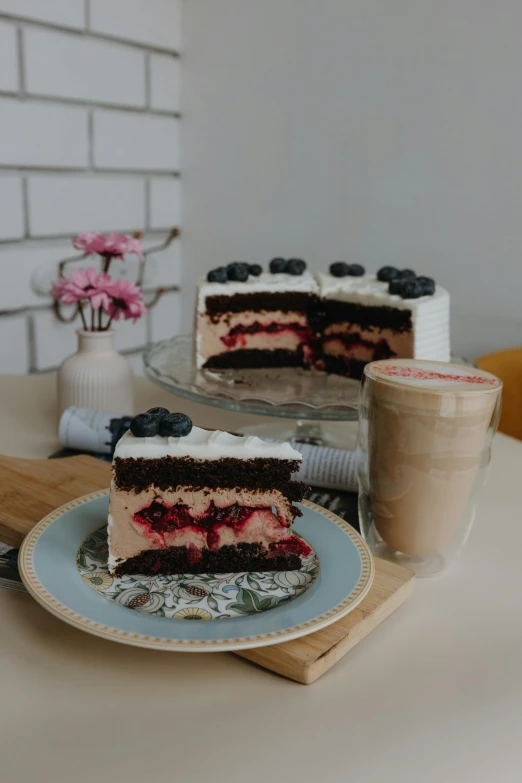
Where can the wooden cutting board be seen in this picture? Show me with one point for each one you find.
(30, 489)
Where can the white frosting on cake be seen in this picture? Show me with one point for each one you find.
(429, 314)
(367, 290)
(305, 283)
(204, 445)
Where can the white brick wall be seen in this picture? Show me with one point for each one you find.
(11, 213)
(19, 263)
(89, 140)
(8, 58)
(14, 345)
(63, 204)
(66, 13)
(160, 153)
(67, 66)
(164, 82)
(38, 134)
(153, 22)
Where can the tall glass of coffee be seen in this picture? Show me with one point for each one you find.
(425, 433)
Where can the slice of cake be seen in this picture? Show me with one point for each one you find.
(247, 318)
(187, 500)
(393, 314)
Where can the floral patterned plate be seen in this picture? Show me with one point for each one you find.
(196, 597)
(62, 564)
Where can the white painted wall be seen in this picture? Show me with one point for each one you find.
(369, 130)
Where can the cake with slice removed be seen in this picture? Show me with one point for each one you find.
(188, 500)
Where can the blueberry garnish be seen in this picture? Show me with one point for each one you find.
(255, 269)
(295, 266)
(406, 288)
(407, 274)
(218, 275)
(428, 285)
(395, 286)
(158, 412)
(387, 273)
(175, 425)
(237, 271)
(412, 289)
(339, 269)
(144, 425)
(356, 270)
(277, 265)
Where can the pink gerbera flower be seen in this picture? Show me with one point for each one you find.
(83, 284)
(114, 246)
(125, 301)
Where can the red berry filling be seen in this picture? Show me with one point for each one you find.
(353, 341)
(293, 545)
(238, 333)
(156, 521)
(161, 519)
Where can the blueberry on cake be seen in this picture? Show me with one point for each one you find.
(188, 500)
(336, 322)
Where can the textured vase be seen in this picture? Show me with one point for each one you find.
(96, 376)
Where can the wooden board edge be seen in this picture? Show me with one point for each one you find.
(328, 659)
(285, 663)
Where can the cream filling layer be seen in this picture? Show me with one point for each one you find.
(126, 538)
(400, 343)
(211, 330)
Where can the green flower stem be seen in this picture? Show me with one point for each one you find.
(109, 322)
(82, 314)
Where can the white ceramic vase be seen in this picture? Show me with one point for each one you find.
(96, 376)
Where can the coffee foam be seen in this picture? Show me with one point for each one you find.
(431, 388)
(433, 375)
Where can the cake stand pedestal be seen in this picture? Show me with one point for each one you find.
(317, 407)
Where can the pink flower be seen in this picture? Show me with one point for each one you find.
(114, 245)
(83, 284)
(58, 288)
(125, 300)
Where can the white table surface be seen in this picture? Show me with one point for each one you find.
(434, 694)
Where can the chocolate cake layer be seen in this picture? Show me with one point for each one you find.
(249, 358)
(224, 473)
(379, 348)
(336, 311)
(284, 301)
(337, 365)
(227, 559)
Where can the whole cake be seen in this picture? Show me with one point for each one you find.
(336, 322)
(187, 500)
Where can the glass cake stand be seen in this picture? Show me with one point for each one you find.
(317, 407)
